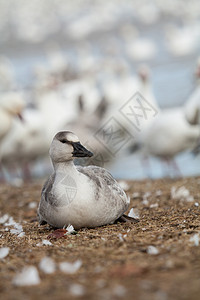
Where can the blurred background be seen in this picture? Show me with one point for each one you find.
(72, 65)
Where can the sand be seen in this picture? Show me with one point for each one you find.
(117, 262)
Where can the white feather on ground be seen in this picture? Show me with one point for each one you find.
(195, 239)
(134, 213)
(152, 250)
(4, 252)
(70, 268)
(47, 265)
(181, 194)
(77, 290)
(28, 276)
(44, 243)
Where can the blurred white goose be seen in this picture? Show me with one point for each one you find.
(172, 130)
(80, 196)
(143, 85)
(55, 113)
(11, 105)
(15, 147)
(141, 49)
(17, 155)
(182, 41)
(192, 106)
(169, 134)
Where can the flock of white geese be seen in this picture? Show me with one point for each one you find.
(26, 131)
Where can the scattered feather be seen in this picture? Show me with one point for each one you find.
(28, 276)
(17, 182)
(18, 230)
(21, 234)
(195, 239)
(10, 222)
(145, 202)
(119, 291)
(122, 236)
(158, 193)
(45, 243)
(152, 250)
(181, 194)
(135, 195)
(77, 289)
(4, 252)
(4, 218)
(70, 230)
(147, 194)
(145, 198)
(70, 268)
(134, 213)
(154, 205)
(47, 265)
(32, 205)
(196, 204)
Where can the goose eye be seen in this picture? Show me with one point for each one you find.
(63, 141)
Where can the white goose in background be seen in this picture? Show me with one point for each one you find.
(11, 105)
(118, 89)
(55, 113)
(170, 134)
(141, 49)
(192, 106)
(16, 150)
(145, 85)
(141, 84)
(182, 41)
(17, 155)
(71, 90)
(146, 90)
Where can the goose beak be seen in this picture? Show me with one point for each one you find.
(20, 117)
(80, 151)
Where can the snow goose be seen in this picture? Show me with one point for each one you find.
(80, 196)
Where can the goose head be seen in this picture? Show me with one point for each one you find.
(12, 103)
(66, 146)
(144, 73)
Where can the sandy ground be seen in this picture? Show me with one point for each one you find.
(115, 259)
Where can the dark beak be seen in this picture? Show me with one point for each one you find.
(80, 151)
(20, 117)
